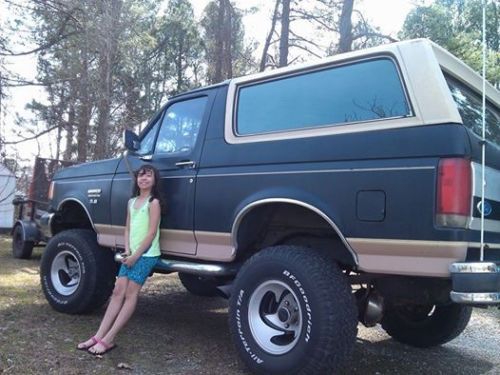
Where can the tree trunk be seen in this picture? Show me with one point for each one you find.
(69, 126)
(85, 109)
(178, 65)
(58, 142)
(219, 43)
(107, 54)
(228, 55)
(345, 40)
(285, 33)
(179, 71)
(263, 59)
(131, 117)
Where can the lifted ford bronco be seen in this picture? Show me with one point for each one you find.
(312, 197)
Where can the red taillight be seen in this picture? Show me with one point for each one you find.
(454, 190)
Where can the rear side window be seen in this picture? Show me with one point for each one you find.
(469, 106)
(364, 91)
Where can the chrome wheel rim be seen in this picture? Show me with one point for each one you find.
(275, 317)
(65, 273)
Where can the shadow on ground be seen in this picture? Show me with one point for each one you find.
(174, 332)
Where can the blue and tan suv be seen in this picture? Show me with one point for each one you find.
(312, 196)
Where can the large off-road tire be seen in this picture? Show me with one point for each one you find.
(199, 285)
(292, 312)
(426, 326)
(77, 274)
(21, 249)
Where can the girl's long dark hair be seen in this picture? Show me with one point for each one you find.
(155, 190)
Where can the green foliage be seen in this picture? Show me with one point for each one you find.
(109, 71)
(457, 26)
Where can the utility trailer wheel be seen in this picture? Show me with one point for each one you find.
(21, 249)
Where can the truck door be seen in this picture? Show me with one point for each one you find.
(172, 143)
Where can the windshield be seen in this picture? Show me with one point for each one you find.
(469, 106)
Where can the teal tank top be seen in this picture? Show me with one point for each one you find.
(139, 225)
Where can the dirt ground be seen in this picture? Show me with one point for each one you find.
(173, 332)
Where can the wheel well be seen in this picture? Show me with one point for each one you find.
(280, 223)
(71, 215)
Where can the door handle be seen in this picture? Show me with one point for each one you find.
(186, 163)
(146, 157)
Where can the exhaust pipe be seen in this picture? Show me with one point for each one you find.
(370, 306)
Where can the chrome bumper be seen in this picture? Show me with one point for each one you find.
(476, 283)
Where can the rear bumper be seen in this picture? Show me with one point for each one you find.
(476, 283)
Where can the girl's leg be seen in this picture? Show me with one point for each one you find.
(114, 307)
(115, 304)
(126, 311)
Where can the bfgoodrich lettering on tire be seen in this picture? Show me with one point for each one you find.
(77, 275)
(291, 312)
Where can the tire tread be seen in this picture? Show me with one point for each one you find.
(338, 305)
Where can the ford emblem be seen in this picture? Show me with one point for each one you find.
(487, 208)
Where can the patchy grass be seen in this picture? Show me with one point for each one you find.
(160, 338)
(173, 332)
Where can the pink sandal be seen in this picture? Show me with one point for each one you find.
(82, 345)
(107, 347)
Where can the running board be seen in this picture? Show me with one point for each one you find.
(204, 269)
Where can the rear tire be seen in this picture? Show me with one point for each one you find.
(21, 249)
(199, 285)
(77, 275)
(292, 312)
(426, 326)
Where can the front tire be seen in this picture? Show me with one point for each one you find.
(21, 249)
(292, 312)
(77, 275)
(426, 326)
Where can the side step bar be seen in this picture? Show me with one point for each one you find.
(203, 269)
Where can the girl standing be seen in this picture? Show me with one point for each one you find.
(142, 250)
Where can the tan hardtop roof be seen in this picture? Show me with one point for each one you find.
(449, 63)
(421, 64)
(462, 72)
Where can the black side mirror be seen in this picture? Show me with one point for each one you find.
(130, 140)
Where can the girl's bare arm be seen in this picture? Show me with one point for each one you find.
(127, 230)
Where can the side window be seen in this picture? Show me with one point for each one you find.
(180, 126)
(470, 107)
(364, 91)
(148, 139)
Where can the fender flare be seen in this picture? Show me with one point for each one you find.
(80, 203)
(248, 208)
(31, 232)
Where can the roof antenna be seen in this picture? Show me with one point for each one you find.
(483, 141)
